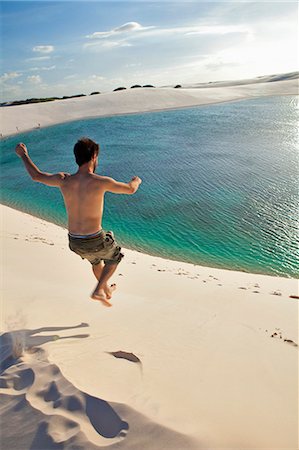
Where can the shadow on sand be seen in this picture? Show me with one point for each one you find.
(49, 394)
(14, 343)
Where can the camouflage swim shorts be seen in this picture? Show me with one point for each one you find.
(97, 247)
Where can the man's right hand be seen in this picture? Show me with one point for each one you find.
(21, 150)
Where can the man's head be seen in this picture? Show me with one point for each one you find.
(86, 150)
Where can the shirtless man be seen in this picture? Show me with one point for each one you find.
(83, 194)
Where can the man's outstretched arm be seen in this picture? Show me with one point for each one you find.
(36, 175)
(117, 187)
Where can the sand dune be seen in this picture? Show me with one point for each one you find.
(27, 117)
(188, 357)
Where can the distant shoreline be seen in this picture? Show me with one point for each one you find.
(145, 112)
(22, 118)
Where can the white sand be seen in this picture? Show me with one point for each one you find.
(210, 374)
(210, 357)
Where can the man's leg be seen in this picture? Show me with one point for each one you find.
(100, 291)
(98, 270)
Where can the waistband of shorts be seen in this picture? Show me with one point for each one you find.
(86, 236)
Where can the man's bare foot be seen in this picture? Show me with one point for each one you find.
(101, 296)
(109, 290)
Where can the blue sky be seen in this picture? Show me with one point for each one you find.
(65, 48)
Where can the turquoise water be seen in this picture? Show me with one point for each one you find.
(219, 181)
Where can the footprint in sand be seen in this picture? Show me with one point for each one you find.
(278, 335)
(289, 341)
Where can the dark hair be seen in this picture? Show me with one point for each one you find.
(84, 150)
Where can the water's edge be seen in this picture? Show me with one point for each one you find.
(153, 254)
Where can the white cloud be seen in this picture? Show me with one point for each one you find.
(39, 58)
(125, 28)
(12, 90)
(111, 44)
(9, 76)
(130, 28)
(125, 35)
(34, 79)
(96, 78)
(33, 69)
(196, 30)
(133, 64)
(107, 44)
(43, 48)
(91, 80)
(70, 77)
(218, 29)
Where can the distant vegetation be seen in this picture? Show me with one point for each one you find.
(39, 100)
(134, 86)
(178, 86)
(73, 96)
(51, 99)
(29, 100)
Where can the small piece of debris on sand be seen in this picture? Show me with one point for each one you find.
(124, 355)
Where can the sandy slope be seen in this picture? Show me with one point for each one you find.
(25, 117)
(208, 358)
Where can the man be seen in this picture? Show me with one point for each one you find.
(83, 194)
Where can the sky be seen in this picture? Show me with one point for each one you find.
(78, 47)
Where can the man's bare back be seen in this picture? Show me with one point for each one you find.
(83, 194)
